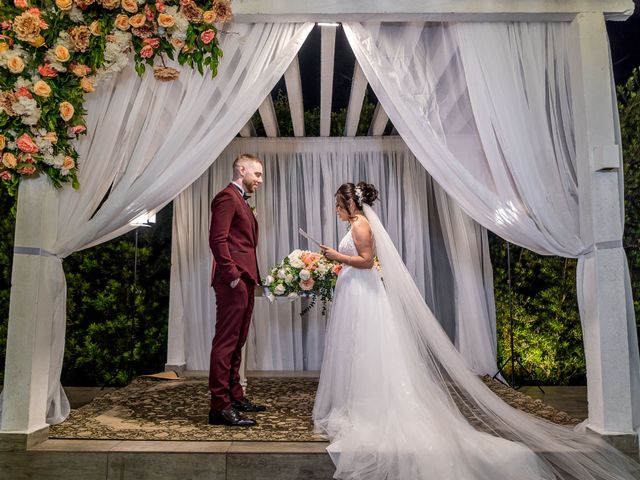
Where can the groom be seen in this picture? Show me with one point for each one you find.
(233, 238)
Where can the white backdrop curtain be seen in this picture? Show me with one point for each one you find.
(445, 250)
(486, 108)
(149, 140)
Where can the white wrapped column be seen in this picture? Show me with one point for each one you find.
(608, 327)
(28, 356)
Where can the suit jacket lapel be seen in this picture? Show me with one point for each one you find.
(249, 212)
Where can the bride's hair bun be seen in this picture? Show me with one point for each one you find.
(369, 193)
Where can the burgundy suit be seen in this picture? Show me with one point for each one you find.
(233, 238)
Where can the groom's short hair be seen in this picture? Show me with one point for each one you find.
(243, 157)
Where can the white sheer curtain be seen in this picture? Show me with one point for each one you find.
(301, 177)
(486, 108)
(149, 140)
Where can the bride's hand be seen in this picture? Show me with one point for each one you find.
(329, 252)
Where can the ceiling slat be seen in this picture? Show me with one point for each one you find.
(294, 92)
(358, 90)
(248, 130)
(379, 121)
(327, 60)
(268, 116)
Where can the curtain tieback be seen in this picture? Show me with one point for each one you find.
(603, 246)
(34, 251)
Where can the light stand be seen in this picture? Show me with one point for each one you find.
(514, 357)
(145, 220)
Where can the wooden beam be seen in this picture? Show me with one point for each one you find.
(379, 121)
(294, 92)
(424, 10)
(358, 90)
(268, 116)
(248, 130)
(327, 60)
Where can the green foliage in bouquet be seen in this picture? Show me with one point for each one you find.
(303, 273)
(53, 53)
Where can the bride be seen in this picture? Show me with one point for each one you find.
(395, 398)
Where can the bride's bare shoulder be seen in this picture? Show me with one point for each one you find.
(360, 227)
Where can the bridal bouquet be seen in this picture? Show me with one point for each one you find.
(303, 273)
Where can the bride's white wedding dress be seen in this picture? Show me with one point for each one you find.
(394, 395)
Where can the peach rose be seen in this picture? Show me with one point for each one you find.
(42, 88)
(80, 70)
(306, 285)
(15, 65)
(209, 16)
(177, 43)
(76, 129)
(166, 21)
(47, 70)
(26, 144)
(6, 175)
(137, 21)
(146, 51)
(68, 163)
(130, 6)
(20, 3)
(3, 142)
(28, 170)
(86, 85)
(51, 137)
(207, 36)
(66, 111)
(9, 160)
(4, 47)
(37, 42)
(122, 22)
(64, 4)
(61, 53)
(95, 29)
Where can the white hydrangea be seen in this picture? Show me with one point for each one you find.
(28, 109)
(75, 14)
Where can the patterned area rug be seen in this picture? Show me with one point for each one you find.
(150, 409)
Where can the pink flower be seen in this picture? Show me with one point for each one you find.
(47, 70)
(76, 129)
(6, 175)
(28, 170)
(6, 25)
(185, 2)
(337, 268)
(149, 13)
(25, 159)
(207, 36)
(160, 7)
(20, 3)
(26, 144)
(146, 51)
(23, 92)
(152, 42)
(306, 284)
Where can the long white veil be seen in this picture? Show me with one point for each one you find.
(561, 451)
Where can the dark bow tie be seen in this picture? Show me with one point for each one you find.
(245, 196)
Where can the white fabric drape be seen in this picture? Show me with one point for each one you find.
(149, 140)
(486, 108)
(446, 251)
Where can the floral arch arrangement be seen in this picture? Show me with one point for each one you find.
(53, 53)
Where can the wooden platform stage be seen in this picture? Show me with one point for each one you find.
(156, 429)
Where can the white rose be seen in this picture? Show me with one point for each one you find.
(279, 290)
(268, 281)
(305, 274)
(293, 295)
(282, 273)
(288, 278)
(296, 262)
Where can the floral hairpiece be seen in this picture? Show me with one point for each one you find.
(359, 195)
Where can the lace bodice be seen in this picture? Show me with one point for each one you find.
(347, 246)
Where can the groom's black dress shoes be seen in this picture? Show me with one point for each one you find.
(245, 405)
(229, 417)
